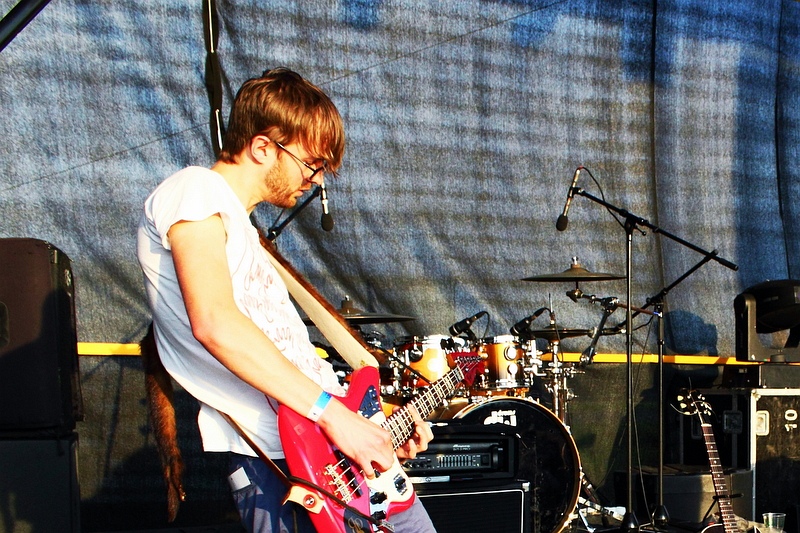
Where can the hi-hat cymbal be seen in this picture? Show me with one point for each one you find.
(551, 334)
(354, 315)
(576, 273)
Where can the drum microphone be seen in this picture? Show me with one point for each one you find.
(575, 294)
(561, 223)
(464, 325)
(523, 324)
(327, 219)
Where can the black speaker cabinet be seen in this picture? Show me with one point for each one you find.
(688, 494)
(477, 507)
(39, 380)
(39, 485)
(730, 419)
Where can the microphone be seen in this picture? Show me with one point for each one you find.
(574, 294)
(561, 223)
(463, 325)
(327, 219)
(523, 324)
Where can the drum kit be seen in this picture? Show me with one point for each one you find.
(503, 391)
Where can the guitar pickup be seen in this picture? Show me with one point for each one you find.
(400, 484)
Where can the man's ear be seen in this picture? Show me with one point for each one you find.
(259, 148)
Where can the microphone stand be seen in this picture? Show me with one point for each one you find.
(660, 516)
(275, 230)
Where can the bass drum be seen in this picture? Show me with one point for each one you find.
(548, 457)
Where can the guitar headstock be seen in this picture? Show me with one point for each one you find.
(691, 402)
(470, 364)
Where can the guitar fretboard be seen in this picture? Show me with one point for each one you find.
(400, 424)
(718, 478)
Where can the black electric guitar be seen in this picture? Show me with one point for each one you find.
(693, 403)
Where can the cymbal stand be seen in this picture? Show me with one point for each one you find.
(557, 383)
(559, 373)
(630, 523)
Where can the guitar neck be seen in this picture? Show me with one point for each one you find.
(401, 423)
(718, 478)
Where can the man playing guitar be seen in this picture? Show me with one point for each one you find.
(224, 324)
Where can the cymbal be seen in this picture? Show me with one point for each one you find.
(354, 315)
(553, 334)
(576, 273)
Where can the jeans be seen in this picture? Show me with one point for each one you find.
(261, 507)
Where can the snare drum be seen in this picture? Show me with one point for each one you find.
(427, 356)
(548, 459)
(505, 363)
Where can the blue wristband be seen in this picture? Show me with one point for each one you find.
(319, 406)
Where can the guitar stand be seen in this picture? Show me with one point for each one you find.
(707, 520)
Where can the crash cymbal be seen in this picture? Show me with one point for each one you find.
(354, 315)
(553, 334)
(576, 273)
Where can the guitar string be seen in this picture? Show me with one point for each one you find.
(394, 429)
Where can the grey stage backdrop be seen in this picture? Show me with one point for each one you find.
(466, 121)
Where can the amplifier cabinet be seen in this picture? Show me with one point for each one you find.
(39, 379)
(478, 506)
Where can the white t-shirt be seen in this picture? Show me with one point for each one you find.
(193, 194)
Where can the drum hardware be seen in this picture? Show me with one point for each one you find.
(419, 361)
(631, 223)
(559, 373)
(609, 305)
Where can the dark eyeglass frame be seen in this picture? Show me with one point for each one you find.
(314, 171)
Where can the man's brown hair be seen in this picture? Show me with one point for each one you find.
(284, 106)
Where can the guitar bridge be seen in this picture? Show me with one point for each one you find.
(341, 478)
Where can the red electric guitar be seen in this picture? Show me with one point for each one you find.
(338, 496)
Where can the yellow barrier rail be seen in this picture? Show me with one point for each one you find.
(120, 349)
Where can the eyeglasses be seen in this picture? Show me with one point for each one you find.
(313, 170)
